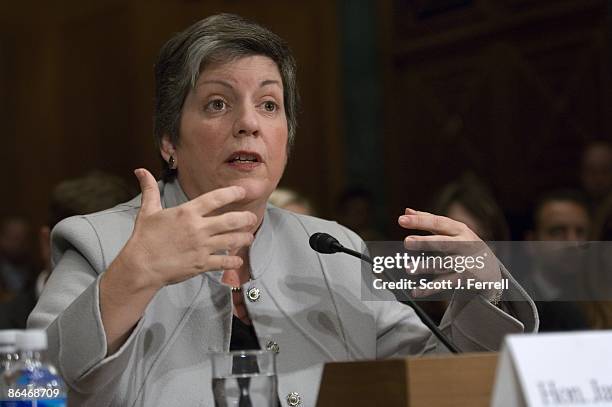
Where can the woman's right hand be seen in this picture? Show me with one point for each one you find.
(172, 245)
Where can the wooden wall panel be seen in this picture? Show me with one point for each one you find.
(510, 90)
(78, 90)
(507, 88)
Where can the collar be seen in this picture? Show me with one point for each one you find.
(263, 249)
(172, 194)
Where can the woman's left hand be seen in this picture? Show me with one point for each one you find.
(454, 238)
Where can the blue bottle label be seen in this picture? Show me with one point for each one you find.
(57, 402)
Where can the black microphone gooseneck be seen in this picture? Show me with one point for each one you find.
(327, 244)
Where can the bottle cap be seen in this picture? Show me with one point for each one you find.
(8, 337)
(32, 339)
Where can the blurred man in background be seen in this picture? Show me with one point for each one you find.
(91, 193)
(561, 215)
(562, 218)
(15, 261)
(355, 210)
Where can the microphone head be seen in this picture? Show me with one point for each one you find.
(324, 243)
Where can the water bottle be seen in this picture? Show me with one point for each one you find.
(8, 349)
(8, 357)
(31, 382)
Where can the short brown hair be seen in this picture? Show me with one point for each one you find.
(93, 192)
(222, 37)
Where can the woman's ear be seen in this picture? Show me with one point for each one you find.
(167, 148)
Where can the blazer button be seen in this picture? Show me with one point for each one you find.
(294, 399)
(272, 347)
(253, 294)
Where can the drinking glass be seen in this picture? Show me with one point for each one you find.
(245, 378)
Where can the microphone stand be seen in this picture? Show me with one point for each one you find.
(327, 244)
(417, 309)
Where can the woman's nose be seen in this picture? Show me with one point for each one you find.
(247, 123)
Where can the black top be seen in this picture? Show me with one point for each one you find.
(243, 336)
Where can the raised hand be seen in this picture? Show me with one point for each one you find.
(171, 245)
(453, 238)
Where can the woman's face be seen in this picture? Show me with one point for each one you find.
(233, 130)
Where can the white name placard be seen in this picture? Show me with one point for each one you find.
(564, 369)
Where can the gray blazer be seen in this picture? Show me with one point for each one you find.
(310, 307)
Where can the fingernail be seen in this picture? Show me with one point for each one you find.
(404, 220)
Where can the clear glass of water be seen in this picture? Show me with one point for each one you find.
(244, 378)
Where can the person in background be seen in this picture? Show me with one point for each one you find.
(5, 294)
(91, 193)
(561, 215)
(599, 311)
(468, 200)
(16, 265)
(602, 221)
(355, 210)
(562, 218)
(596, 171)
(291, 201)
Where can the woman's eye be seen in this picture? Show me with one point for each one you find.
(216, 105)
(270, 106)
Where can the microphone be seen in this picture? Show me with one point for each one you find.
(327, 244)
(324, 243)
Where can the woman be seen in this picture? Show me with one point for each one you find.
(467, 200)
(142, 292)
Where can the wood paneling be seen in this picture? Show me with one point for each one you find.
(508, 89)
(77, 87)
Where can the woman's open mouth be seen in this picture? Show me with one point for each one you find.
(244, 160)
